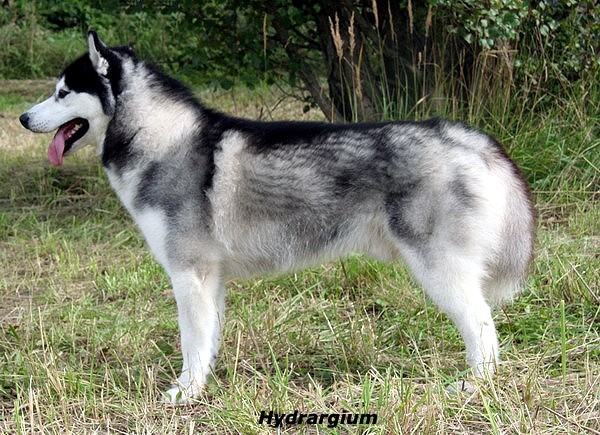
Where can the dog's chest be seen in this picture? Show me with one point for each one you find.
(126, 186)
(151, 221)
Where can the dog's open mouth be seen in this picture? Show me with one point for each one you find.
(65, 137)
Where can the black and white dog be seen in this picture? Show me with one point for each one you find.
(218, 197)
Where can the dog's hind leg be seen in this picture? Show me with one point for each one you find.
(200, 296)
(455, 286)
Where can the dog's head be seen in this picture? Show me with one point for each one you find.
(83, 102)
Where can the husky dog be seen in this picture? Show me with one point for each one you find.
(218, 197)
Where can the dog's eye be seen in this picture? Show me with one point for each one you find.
(62, 93)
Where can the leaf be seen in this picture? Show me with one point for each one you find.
(226, 83)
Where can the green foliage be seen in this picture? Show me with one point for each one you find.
(406, 59)
(560, 42)
(30, 51)
(556, 35)
(485, 23)
(51, 34)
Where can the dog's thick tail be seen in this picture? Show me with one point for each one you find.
(512, 258)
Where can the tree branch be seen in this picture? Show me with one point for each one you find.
(306, 72)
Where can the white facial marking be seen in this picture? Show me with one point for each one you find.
(60, 108)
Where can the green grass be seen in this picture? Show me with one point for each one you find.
(89, 337)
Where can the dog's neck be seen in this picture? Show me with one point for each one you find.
(152, 111)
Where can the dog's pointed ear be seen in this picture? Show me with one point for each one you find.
(98, 51)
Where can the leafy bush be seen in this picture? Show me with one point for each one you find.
(558, 34)
(30, 50)
(42, 37)
(355, 60)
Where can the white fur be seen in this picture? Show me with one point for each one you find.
(125, 186)
(200, 297)
(99, 62)
(152, 223)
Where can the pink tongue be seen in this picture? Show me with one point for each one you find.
(57, 146)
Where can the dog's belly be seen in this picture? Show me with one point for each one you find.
(278, 247)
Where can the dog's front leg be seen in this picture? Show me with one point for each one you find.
(200, 296)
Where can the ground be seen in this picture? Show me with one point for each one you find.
(89, 339)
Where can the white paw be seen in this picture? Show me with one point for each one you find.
(485, 370)
(181, 395)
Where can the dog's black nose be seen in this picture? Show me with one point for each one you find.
(24, 118)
